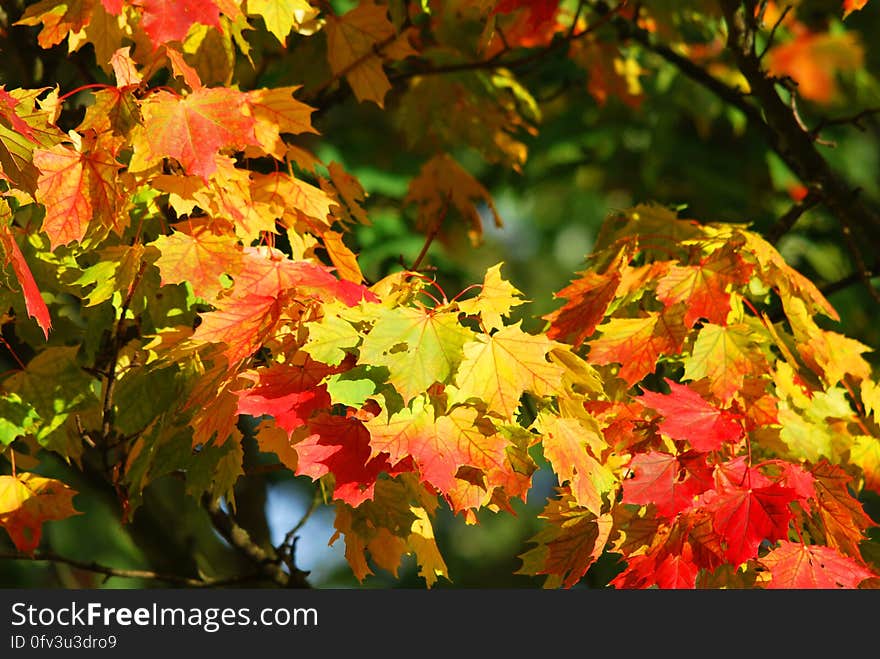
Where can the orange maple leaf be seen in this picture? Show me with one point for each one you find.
(77, 189)
(814, 60)
(797, 565)
(194, 128)
(28, 500)
(637, 343)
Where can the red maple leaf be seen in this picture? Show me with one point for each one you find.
(170, 20)
(662, 479)
(34, 303)
(341, 446)
(746, 516)
(242, 327)
(796, 565)
(689, 417)
(660, 567)
(9, 115)
(288, 393)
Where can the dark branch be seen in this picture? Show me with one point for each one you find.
(97, 568)
(784, 133)
(785, 223)
(266, 562)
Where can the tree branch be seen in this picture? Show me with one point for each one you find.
(785, 223)
(266, 562)
(785, 135)
(97, 568)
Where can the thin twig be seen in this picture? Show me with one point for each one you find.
(855, 120)
(429, 238)
(785, 223)
(107, 406)
(266, 562)
(856, 253)
(785, 135)
(849, 280)
(772, 34)
(125, 573)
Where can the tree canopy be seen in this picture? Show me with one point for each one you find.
(551, 293)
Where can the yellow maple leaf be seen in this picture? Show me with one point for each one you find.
(499, 368)
(28, 500)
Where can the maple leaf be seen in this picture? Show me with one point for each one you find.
(539, 11)
(195, 127)
(103, 30)
(33, 300)
(275, 111)
(567, 445)
(329, 338)
(797, 565)
(196, 254)
(293, 198)
(441, 446)
(849, 6)
(660, 478)
(281, 16)
(124, 68)
(813, 60)
(419, 347)
(289, 393)
(724, 355)
(77, 189)
(494, 301)
(242, 327)
(637, 343)
(569, 544)
(499, 368)
(835, 356)
(10, 116)
(691, 418)
(341, 446)
(704, 287)
(342, 257)
(27, 501)
(396, 522)
(746, 516)
(442, 183)
(842, 515)
(356, 43)
(667, 563)
(170, 20)
(609, 72)
(268, 271)
(588, 299)
(58, 17)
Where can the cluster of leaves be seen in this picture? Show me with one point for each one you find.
(181, 257)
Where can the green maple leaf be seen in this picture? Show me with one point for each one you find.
(419, 347)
